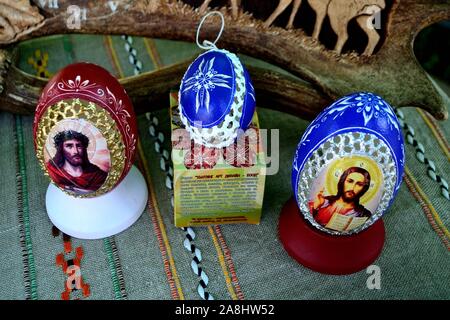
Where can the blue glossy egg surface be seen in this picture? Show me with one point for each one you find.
(216, 98)
(207, 89)
(349, 163)
(249, 103)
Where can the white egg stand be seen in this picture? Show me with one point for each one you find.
(102, 216)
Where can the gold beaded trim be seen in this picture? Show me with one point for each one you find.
(97, 116)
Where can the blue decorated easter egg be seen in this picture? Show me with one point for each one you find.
(348, 165)
(216, 98)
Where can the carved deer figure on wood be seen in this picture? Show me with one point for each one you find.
(340, 13)
(235, 4)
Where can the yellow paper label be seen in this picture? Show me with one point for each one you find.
(217, 186)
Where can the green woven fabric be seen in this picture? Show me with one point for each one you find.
(149, 261)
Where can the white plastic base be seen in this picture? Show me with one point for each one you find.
(100, 217)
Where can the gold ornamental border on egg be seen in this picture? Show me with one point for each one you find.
(81, 109)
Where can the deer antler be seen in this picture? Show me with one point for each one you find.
(5, 61)
(393, 72)
(17, 17)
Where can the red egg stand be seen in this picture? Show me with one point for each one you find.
(326, 253)
(118, 209)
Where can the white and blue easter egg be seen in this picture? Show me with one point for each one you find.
(348, 165)
(216, 98)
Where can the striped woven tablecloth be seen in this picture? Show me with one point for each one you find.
(155, 260)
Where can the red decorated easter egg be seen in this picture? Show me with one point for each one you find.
(85, 130)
